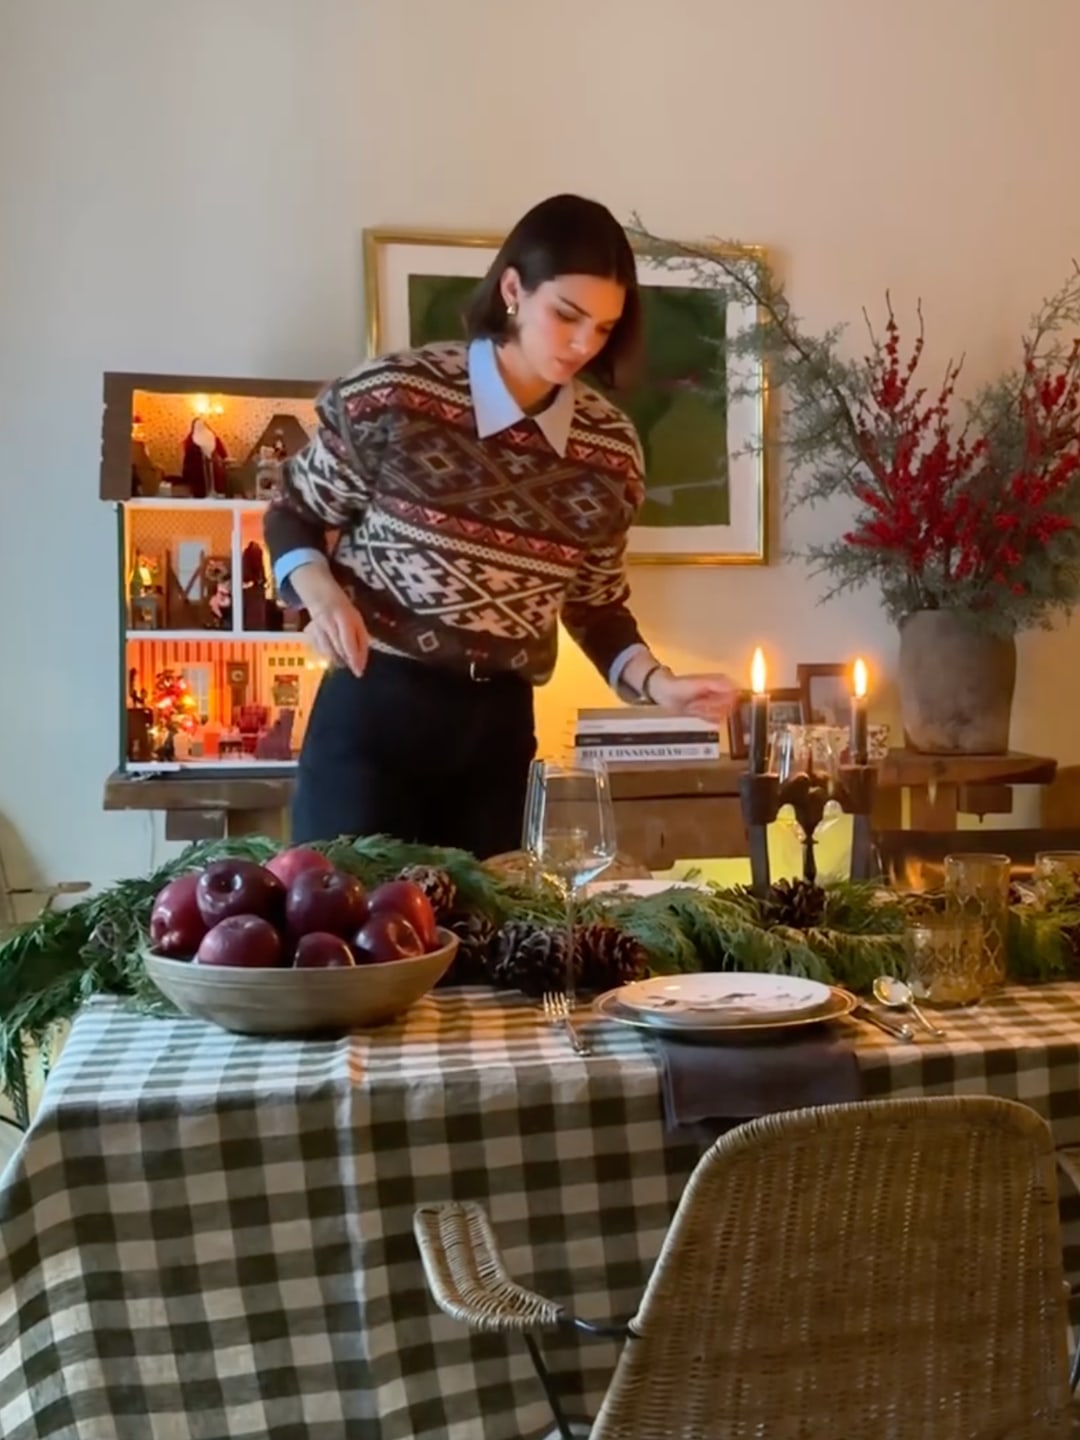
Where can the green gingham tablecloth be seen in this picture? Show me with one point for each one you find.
(209, 1237)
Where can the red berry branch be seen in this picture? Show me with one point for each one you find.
(948, 513)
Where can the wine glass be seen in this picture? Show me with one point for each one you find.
(569, 831)
(806, 760)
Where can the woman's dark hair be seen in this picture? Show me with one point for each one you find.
(566, 235)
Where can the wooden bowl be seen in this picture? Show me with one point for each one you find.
(300, 1002)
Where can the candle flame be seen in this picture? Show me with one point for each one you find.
(757, 672)
(860, 678)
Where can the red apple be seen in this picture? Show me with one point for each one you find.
(405, 897)
(288, 864)
(245, 941)
(176, 924)
(239, 887)
(326, 900)
(386, 936)
(319, 950)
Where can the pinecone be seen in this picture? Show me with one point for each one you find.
(529, 958)
(475, 934)
(795, 903)
(607, 956)
(436, 885)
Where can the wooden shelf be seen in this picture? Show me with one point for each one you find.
(913, 768)
(187, 502)
(206, 806)
(218, 637)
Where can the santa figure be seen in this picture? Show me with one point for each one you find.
(203, 470)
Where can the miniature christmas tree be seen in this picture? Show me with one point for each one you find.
(174, 708)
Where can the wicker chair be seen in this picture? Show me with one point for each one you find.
(889, 1270)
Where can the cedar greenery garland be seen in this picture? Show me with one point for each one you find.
(52, 965)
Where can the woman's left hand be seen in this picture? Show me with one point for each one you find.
(707, 697)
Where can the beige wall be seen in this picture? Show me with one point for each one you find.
(183, 186)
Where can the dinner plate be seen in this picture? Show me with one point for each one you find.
(839, 1004)
(640, 888)
(724, 999)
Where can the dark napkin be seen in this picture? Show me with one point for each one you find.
(728, 1081)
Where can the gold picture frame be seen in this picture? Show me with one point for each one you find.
(414, 282)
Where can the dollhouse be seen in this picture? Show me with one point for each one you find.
(214, 672)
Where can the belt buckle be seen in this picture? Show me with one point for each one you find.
(475, 676)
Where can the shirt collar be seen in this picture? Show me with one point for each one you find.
(496, 409)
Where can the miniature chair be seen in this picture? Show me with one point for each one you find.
(876, 1271)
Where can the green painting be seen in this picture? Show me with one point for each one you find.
(678, 408)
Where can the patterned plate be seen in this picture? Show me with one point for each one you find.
(730, 998)
(839, 1004)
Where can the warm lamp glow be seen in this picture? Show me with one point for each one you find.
(757, 672)
(203, 405)
(860, 678)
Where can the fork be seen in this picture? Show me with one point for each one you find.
(557, 1012)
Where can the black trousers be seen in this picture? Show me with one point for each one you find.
(422, 754)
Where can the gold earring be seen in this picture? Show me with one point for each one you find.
(511, 309)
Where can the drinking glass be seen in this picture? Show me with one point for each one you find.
(945, 960)
(569, 832)
(1056, 877)
(977, 890)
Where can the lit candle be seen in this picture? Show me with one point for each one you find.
(858, 716)
(759, 715)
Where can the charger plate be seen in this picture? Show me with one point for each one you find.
(839, 1004)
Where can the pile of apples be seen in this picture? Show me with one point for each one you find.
(297, 910)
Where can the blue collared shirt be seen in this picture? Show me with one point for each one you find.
(495, 410)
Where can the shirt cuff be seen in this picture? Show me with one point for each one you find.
(286, 564)
(618, 665)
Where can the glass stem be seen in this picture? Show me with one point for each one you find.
(571, 993)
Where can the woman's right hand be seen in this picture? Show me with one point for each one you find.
(336, 629)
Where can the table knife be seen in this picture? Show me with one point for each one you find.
(891, 1027)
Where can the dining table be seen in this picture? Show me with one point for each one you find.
(207, 1235)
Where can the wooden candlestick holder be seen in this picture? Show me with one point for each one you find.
(859, 785)
(763, 796)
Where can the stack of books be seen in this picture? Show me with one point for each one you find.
(635, 734)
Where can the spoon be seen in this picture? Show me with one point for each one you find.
(896, 995)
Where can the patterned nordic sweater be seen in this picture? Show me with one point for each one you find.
(460, 550)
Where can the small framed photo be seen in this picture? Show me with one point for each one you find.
(785, 708)
(826, 693)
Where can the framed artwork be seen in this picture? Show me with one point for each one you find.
(706, 477)
(785, 708)
(826, 693)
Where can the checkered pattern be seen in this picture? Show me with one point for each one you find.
(208, 1235)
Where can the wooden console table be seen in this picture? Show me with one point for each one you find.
(666, 813)
(663, 812)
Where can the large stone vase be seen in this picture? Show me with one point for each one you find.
(956, 684)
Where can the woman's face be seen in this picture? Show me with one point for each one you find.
(564, 323)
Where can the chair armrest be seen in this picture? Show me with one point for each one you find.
(466, 1274)
(467, 1277)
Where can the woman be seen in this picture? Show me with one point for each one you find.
(479, 492)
